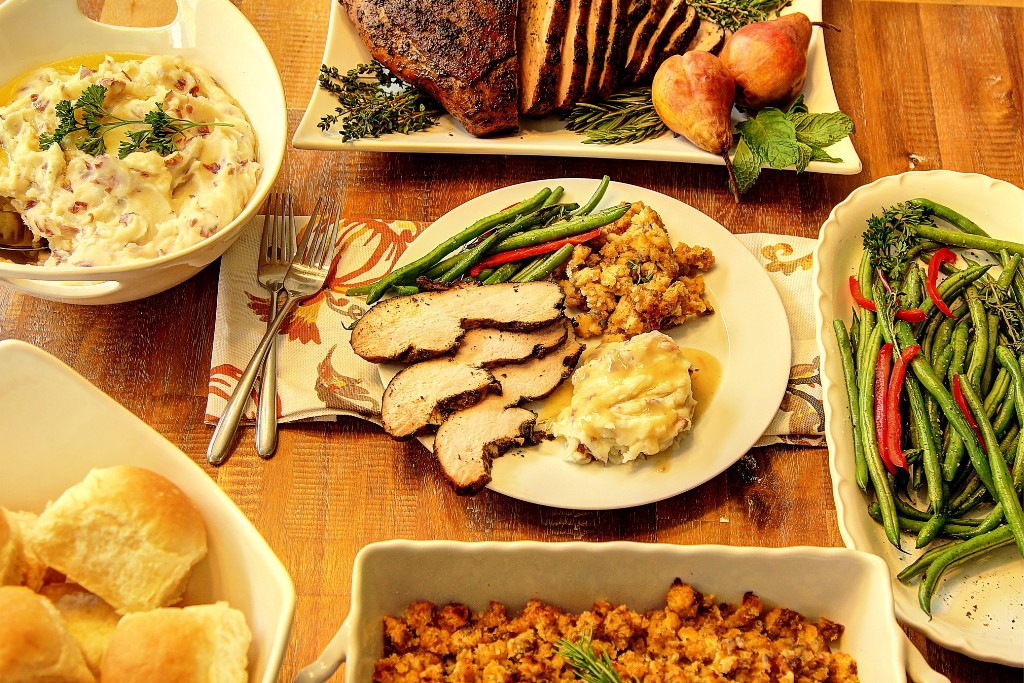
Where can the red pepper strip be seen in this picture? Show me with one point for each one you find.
(911, 315)
(958, 396)
(525, 252)
(881, 390)
(943, 255)
(858, 296)
(892, 406)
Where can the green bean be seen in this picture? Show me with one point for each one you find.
(412, 270)
(358, 291)
(949, 530)
(957, 555)
(990, 356)
(855, 334)
(850, 374)
(553, 260)
(1000, 386)
(926, 376)
(920, 566)
(911, 290)
(594, 200)
(968, 240)
(1017, 281)
(876, 469)
(920, 248)
(979, 320)
(484, 274)
(1006, 359)
(526, 273)
(950, 216)
(867, 316)
(884, 310)
(954, 449)
(575, 226)
(406, 290)
(1009, 271)
(503, 273)
(937, 336)
(1003, 492)
(553, 198)
(929, 464)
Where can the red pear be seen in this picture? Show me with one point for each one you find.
(768, 59)
(693, 94)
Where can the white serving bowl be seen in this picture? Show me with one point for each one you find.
(91, 430)
(978, 608)
(211, 33)
(845, 586)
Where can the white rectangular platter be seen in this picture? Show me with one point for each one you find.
(548, 136)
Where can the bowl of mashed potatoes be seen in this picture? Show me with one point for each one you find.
(124, 220)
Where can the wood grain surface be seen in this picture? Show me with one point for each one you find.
(929, 86)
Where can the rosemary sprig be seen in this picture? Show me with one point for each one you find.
(620, 119)
(88, 113)
(732, 14)
(374, 102)
(590, 666)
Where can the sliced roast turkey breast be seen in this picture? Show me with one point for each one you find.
(672, 18)
(424, 394)
(426, 325)
(540, 29)
(618, 37)
(641, 38)
(470, 439)
(710, 37)
(597, 34)
(572, 72)
(679, 40)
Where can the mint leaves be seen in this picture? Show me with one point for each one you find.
(786, 138)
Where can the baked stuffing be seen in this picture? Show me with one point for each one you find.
(630, 280)
(691, 640)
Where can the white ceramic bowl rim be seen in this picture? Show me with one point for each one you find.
(271, 158)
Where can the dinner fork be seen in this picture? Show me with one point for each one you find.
(277, 248)
(305, 277)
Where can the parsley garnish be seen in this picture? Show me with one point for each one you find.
(88, 114)
(889, 236)
(375, 102)
(786, 138)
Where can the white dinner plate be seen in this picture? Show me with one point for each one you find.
(978, 608)
(548, 136)
(748, 334)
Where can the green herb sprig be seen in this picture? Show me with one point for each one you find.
(781, 139)
(374, 102)
(733, 14)
(589, 664)
(88, 114)
(888, 237)
(620, 119)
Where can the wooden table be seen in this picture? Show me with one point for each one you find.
(930, 85)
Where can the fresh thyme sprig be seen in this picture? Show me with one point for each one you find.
(374, 102)
(732, 14)
(620, 119)
(157, 132)
(889, 236)
(590, 666)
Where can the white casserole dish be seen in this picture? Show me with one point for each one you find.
(211, 33)
(978, 608)
(39, 462)
(845, 586)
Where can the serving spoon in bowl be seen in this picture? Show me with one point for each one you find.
(15, 235)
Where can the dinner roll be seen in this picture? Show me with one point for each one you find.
(12, 551)
(35, 644)
(35, 569)
(125, 533)
(200, 644)
(90, 620)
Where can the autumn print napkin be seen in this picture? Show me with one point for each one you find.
(319, 377)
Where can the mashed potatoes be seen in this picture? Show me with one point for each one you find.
(633, 398)
(101, 210)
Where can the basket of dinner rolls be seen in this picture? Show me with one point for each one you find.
(89, 587)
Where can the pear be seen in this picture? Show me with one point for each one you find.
(768, 59)
(693, 94)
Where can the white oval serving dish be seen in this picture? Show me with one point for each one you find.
(978, 608)
(39, 462)
(211, 33)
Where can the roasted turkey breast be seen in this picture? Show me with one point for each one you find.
(462, 53)
(426, 325)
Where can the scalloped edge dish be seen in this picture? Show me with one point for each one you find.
(979, 607)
